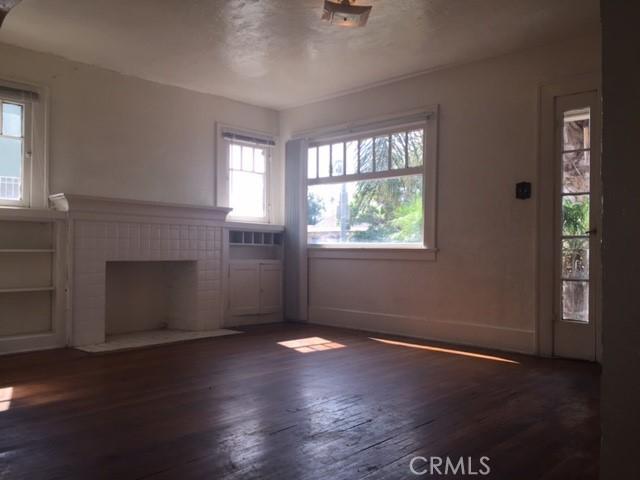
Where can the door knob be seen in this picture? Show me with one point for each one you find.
(593, 231)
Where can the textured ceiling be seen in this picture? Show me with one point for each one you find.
(278, 53)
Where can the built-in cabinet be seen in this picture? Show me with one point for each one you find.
(31, 280)
(254, 275)
(255, 287)
(270, 275)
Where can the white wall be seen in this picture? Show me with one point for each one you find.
(113, 135)
(482, 287)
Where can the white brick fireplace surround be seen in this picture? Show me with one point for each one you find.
(107, 230)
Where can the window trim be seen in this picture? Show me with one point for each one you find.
(427, 118)
(265, 174)
(223, 168)
(27, 152)
(34, 100)
(356, 177)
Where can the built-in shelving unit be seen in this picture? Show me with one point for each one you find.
(244, 238)
(255, 244)
(30, 303)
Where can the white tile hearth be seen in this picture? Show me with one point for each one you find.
(129, 341)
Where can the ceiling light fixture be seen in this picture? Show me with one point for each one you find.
(345, 14)
(5, 6)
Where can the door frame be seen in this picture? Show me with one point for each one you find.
(546, 218)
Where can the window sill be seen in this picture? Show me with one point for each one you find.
(30, 213)
(253, 225)
(248, 220)
(399, 253)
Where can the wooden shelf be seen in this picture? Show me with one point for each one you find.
(24, 290)
(254, 244)
(26, 250)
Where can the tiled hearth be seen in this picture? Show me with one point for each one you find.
(128, 341)
(104, 230)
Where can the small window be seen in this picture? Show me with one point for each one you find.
(370, 190)
(13, 189)
(248, 165)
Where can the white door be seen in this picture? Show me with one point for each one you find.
(244, 288)
(578, 218)
(270, 288)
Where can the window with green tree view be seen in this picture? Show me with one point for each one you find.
(368, 189)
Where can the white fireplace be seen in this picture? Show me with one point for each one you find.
(177, 247)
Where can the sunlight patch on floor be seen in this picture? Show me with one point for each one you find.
(6, 394)
(445, 350)
(311, 344)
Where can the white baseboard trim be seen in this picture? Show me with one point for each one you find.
(243, 321)
(477, 335)
(31, 343)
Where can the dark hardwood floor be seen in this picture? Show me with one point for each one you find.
(245, 407)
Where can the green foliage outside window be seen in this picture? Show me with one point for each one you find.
(575, 216)
(392, 209)
(315, 208)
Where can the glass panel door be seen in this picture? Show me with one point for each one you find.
(576, 202)
(578, 218)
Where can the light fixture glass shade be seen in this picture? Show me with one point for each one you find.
(344, 14)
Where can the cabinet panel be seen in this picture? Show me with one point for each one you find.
(244, 288)
(270, 288)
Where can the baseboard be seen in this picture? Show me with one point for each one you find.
(31, 343)
(241, 321)
(477, 335)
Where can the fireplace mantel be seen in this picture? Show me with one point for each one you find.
(103, 230)
(87, 206)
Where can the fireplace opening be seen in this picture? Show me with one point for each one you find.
(150, 296)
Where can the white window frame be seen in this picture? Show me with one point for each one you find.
(425, 118)
(34, 158)
(25, 167)
(224, 169)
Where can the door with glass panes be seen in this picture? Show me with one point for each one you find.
(578, 218)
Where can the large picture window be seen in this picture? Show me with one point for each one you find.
(368, 190)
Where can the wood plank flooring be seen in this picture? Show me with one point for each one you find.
(245, 407)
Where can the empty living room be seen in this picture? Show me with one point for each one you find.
(319, 239)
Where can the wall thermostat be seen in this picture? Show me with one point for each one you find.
(523, 190)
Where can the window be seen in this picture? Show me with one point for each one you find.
(13, 164)
(371, 189)
(22, 146)
(245, 188)
(576, 222)
(247, 181)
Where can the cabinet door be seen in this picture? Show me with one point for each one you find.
(244, 288)
(270, 288)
